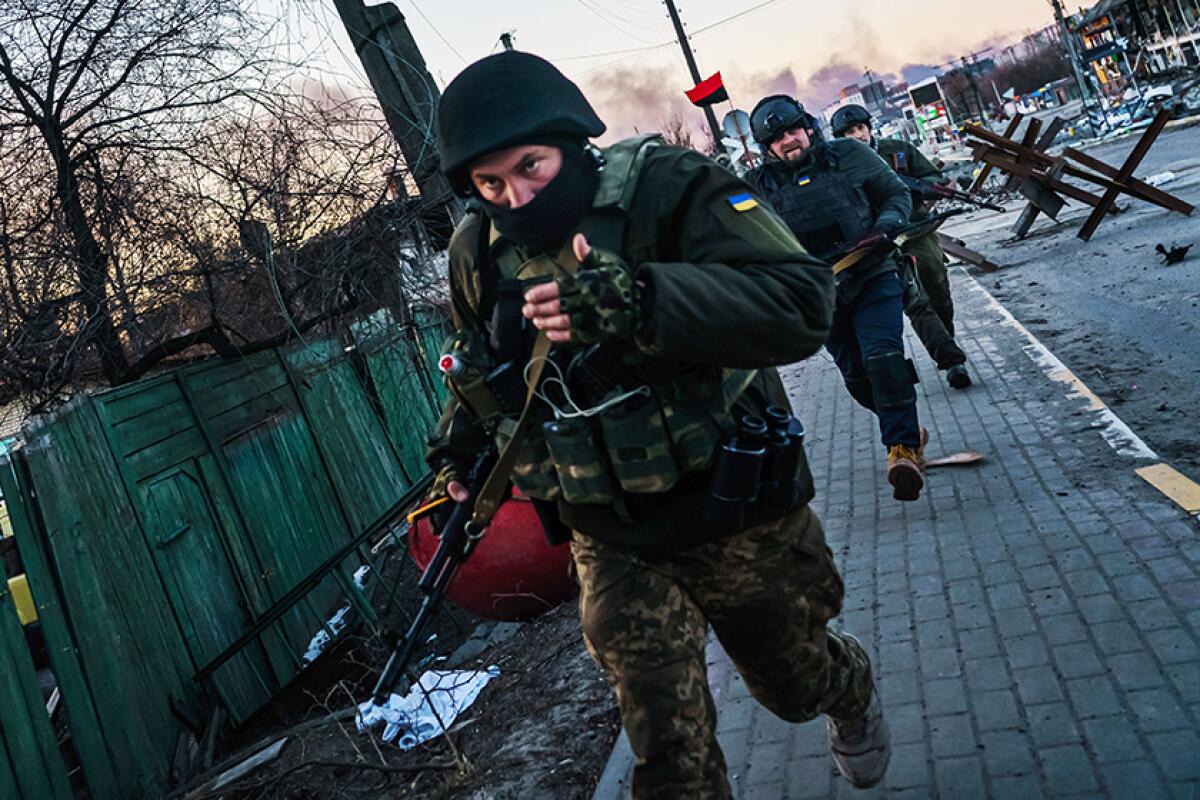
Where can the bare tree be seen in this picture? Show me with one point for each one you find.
(1032, 73)
(162, 188)
(676, 131)
(99, 80)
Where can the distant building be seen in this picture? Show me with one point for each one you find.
(1108, 31)
(1170, 32)
(875, 96)
(1123, 38)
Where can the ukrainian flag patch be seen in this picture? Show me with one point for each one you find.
(805, 181)
(742, 202)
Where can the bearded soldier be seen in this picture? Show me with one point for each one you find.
(838, 198)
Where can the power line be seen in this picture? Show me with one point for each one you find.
(610, 22)
(635, 23)
(446, 41)
(635, 55)
(666, 43)
(732, 17)
(645, 49)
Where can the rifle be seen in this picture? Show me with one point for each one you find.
(487, 483)
(877, 242)
(456, 542)
(928, 191)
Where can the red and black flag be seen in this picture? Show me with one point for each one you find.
(707, 92)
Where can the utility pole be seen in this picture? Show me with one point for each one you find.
(972, 71)
(1068, 37)
(506, 39)
(690, 58)
(408, 97)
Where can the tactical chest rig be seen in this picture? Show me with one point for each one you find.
(607, 419)
(821, 206)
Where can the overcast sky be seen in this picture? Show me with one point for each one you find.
(810, 48)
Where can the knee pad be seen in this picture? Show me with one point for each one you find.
(860, 390)
(892, 379)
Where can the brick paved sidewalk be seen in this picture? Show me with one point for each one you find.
(1033, 620)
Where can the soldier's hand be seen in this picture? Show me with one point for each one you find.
(542, 307)
(602, 300)
(447, 484)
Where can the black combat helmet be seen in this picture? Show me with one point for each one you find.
(847, 117)
(774, 115)
(503, 100)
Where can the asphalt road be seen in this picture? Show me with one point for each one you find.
(1125, 323)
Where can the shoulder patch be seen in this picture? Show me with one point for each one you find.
(742, 202)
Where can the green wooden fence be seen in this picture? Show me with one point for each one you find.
(159, 521)
(30, 767)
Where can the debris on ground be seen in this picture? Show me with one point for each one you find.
(1160, 179)
(542, 728)
(1174, 254)
(429, 708)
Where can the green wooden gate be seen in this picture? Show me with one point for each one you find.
(160, 521)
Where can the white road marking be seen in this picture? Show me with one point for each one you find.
(1114, 430)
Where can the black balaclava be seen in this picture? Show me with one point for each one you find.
(545, 222)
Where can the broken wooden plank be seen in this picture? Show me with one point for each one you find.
(250, 764)
(959, 250)
(209, 745)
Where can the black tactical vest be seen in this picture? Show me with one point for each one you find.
(820, 205)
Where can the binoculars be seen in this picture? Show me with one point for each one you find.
(760, 462)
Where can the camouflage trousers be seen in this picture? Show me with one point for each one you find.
(767, 593)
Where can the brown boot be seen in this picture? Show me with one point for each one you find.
(921, 448)
(903, 472)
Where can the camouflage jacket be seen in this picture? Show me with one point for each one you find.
(906, 159)
(731, 288)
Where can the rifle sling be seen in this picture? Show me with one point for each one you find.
(491, 495)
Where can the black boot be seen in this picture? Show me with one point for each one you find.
(958, 377)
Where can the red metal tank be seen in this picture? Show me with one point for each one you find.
(513, 574)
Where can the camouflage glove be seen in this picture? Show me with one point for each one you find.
(602, 299)
(441, 479)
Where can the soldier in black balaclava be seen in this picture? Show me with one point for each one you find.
(670, 292)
